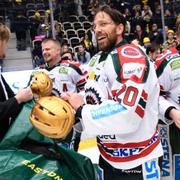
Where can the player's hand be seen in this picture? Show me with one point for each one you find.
(24, 95)
(175, 115)
(75, 99)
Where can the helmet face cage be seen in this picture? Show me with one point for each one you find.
(52, 117)
(41, 84)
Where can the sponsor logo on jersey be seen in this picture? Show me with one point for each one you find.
(127, 152)
(91, 75)
(107, 137)
(118, 152)
(130, 69)
(175, 64)
(92, 62)
(63, 70)
(131, 52)
(107, 110)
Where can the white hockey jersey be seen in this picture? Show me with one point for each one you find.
(168, 71)
(67, 76)
(125, 87)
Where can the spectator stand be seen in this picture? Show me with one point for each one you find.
(77, 25)
(70, 33)
(73, 18)
(82, 18)
(36, 52)
(81, 33)
(74, 41)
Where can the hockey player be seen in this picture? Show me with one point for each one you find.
(121, 107)
(168, 71)
(67, 76)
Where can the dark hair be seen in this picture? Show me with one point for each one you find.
(66, 57)
(115, 15)
(151, 48)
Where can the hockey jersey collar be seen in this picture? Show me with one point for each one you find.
(120, 44)
(47, 67)
(105, 54)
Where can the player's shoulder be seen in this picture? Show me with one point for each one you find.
(130, 53)
(167, 55)
(74, 66)
(70, 63)
(165, 59)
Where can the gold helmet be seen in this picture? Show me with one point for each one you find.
(41, 84)
(52, 117)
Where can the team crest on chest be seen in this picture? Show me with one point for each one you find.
(92, 96)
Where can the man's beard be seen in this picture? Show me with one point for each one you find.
(111, 42)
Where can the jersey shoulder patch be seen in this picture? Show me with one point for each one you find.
(164, 58)
(133, 63)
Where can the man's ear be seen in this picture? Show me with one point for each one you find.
(120, 29)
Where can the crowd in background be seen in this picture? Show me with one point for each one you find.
(144, 24)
